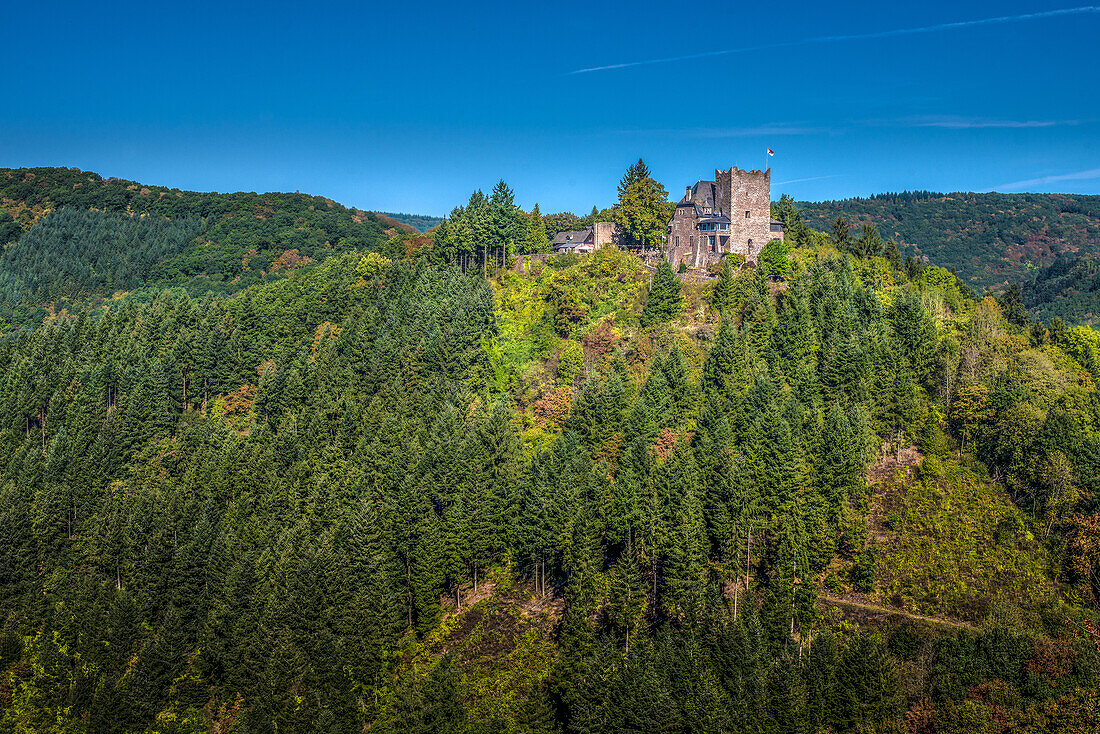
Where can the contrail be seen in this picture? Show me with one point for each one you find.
(853, 37)
(811, 178)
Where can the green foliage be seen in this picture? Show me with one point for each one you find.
(571, 363)
(988, 238)
(664, 302)
(644, 210)
(775, 259)
(419, 222)
(962, 550)
(372, 265)
(361, 498)
(80, 236)
(1065, 290)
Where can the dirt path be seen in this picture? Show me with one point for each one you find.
(841, 601)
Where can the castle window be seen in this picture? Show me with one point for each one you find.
(677, 240)
(691, 241)
(750, 243)
(746, 215)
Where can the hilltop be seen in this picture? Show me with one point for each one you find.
(69, 235)
(418, 222)
(989, 239)
(571, 495)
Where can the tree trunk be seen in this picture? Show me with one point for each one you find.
(654, 611)
(748, 552)
(408, 577)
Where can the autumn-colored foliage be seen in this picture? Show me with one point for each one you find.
(601, 341)
(239, 402)
(664, 445)
(289, 260)
(553, 406)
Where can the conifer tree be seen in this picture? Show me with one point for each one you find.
(635, 173)
(536, 233)
(841, 236)
(664, 301)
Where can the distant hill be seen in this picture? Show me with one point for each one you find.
(989, 239)
(1069, 289)
(70, 234)
(419, 222)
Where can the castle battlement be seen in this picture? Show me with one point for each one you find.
(732, 213)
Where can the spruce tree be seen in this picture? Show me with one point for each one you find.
(664, 302)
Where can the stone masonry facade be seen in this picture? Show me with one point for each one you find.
(731, 214)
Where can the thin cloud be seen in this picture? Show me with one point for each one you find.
(972, 123)
(811, 178)
(729, 132)
(851, 37)
(1092, 173)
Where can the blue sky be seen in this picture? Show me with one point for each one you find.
(411, 106)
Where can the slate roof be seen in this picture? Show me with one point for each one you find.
(703, 193)
(571, 237)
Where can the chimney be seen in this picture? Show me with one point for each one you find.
(688, 194)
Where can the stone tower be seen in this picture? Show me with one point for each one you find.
(746, 198)
(732, 213)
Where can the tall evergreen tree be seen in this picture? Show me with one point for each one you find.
(664, 301)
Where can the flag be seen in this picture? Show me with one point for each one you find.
(771, 152)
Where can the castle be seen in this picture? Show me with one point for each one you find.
(732, 213)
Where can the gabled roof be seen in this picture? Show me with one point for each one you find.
(572, 237)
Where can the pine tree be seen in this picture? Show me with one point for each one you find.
(635, 173)
(870, 243)
(626, 602)
(643, 210)
(841, 236)
(537, 240)
(664, 302)
(892, 253)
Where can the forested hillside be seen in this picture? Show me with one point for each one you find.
(1069, 289)
(435, 493)
(419, 222)
(990, 239)
(69, 235)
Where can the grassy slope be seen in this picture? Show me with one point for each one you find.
(502, 641)
(954, 545)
